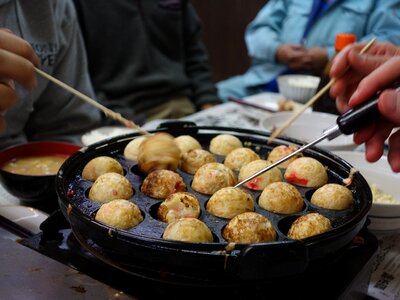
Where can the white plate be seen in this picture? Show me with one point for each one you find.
(267, 100)
(27, 217)
(383, 216)
(308, 127)
(104, 133)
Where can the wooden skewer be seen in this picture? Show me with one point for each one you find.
(108, 112)
(313, 99)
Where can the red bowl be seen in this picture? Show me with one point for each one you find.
(30, 188)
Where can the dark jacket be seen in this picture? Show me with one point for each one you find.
(144, 52)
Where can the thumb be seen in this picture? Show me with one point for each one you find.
(365, 63)
(389, 105)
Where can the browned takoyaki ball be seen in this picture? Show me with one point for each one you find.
(281, 151)
(309, 225)
(188, 230)
(160, 184)
(99, 166)
(249, 227)
(186, 143)
(333, 196)
(307, 172)
(193, 159)
(158, 152)
(229, 202)
(131, 150)
(110, 186)
(239, 157)
(261, 181)
(178, 205)
(222, 144)
(281, 197)
(212, 177)
(119, 213)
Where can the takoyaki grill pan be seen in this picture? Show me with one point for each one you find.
(141, 249)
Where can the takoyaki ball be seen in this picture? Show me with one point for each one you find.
(188, 230)
(212, 177)
(229, 202)
(239, 157)
(119, 213)
(186, 143)
(193, 159)
(282, 198)
(131, 150)
(158, 152)
(178, 205)
(224, 143)
(307, 172)
(309, 225)
(281, 151)
(99, 166)
(249, 227)
(332, 196)
(110, 186)
(160, 184)
(260, 182)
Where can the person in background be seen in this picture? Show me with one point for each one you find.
(146, 59)
(298, 36)
(377, 70)
(43, 33)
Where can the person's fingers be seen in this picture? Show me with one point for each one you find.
(389, 105)
(365, 63)
(364, 134)
(17, 68)
(340, 62)
(380, 78)
(394, 150)
(12, 43)
(7, 95)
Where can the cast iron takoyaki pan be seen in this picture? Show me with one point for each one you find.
(142, 246)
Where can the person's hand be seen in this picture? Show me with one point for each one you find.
(294, 56)
(17, 60)
(366, 75)
(319, 59)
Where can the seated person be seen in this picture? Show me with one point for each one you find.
(146, 59)
(298, 36)
(45, 112)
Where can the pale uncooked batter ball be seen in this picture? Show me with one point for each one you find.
(309, 225)
(131, 150)
(281, 197)
(177, 206)
(229, 202)
(239, 157)
(188, 230)
(224, 143)
(99, 166)
(307, 172)
(333, 196)
(281, 151)
(249, 227)
(119, 213)
(212, 177)
(261, 181)
(110, 186)
(186, 143)
(193, 159)
(158, 152)
(160, 184)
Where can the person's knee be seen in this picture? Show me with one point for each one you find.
(232, 87)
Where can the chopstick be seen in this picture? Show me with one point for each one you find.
(108, 112)
(313, 99)
(245, 103)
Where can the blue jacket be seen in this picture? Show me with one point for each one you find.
(284, 22)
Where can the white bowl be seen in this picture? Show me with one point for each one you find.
(308, 127)
(297, 87)
(383, 216)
